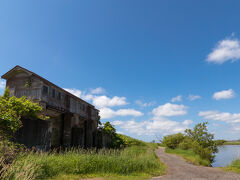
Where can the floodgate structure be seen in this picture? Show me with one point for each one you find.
(73, 121)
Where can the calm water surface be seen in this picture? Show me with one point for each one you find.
(226, 155)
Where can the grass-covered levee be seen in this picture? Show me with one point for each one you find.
(128, 158)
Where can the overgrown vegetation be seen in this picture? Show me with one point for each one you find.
(128, 158)
(130, 161)
(12, 109)
(197, 140)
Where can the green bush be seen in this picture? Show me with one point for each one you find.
(172, 141)
(185, 144)
(204, 153)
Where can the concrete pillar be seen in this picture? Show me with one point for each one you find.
(66, 137)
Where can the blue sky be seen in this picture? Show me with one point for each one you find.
(151, 67)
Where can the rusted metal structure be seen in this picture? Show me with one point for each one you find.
(73, 121)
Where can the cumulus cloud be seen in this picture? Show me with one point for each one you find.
(169, 109)
(158, 125)
(2, 84)
(144, 104)
(225, 94)
(98, 90)
(220, 116)
(225, 50)
(177, 98)
(104, 101)
(193, 97)
(107, 113)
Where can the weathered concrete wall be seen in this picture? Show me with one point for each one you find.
(34, 133)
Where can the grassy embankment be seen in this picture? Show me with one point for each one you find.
(234, 167)
(189, 156)
(138, 161)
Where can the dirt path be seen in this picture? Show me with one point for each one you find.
(179, 169)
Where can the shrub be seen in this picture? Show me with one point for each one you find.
(204, 153)
(172, 141)
(185, 144)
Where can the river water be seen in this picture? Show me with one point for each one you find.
(226, 154)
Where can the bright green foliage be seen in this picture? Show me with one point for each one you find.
(109, 129)
(186, 143)
(203, 143)
(119, 140)
(11, 111)
(201, 135)
(172, 141)
(198, 139)
(129, 141)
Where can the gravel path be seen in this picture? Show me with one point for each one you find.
(179, 169)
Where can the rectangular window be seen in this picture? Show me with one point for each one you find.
(53, 93)
(44, 90)
(59, 96)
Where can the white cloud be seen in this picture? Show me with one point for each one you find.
(225, 94)
(220, 116)
(158, 125)
(98, 90)
(98, 101)
(107, 113)
(75, 92)
(177, 98)
(2, 84)
(187, 122)
(169, 109)
(104, 101)
(144, 104)
(193, 97)
(226, 50)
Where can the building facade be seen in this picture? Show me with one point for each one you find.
(73, 121)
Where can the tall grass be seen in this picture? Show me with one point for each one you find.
(131, 160)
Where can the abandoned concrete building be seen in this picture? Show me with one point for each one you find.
(73, 122)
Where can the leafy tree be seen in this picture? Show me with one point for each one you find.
(172, 141)
(203, 143)
(12, 109)
(117, 141)
(201, 135)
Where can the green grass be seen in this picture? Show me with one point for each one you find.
(189, 156)
(232, 143)
(234, 167)
(131, 162)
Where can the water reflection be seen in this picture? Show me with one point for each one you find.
(226, 155)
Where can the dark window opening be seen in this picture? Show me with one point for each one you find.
(59, 96)
(53, 93)
(45, 90)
